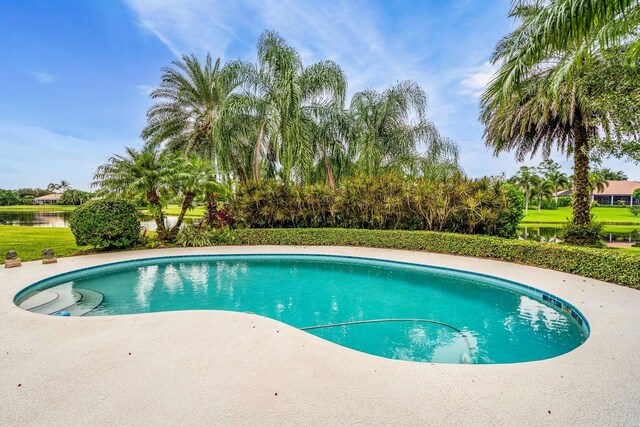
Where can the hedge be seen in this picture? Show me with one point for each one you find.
(606, 265)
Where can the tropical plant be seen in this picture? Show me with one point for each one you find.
(74, 197)
(597, 182)
(138, 173)
(64, 185)
(193, 101)
(542, 190)
(390, 127)
(525, 181)
(611, 175)
(527, 110)
(635, 210)
(285, 104)
(558, 181)
(52, 187)
(191, 235)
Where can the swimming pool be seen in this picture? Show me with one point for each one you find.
(390, 309)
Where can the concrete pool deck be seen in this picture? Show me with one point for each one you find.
(225, 368)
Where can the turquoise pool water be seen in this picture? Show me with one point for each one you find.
(481, 319)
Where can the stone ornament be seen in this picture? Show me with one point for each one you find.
(48, 256)
(12, 260)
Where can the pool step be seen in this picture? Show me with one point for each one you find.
(66, 298)
(39, 298)
(90, 300)
(75, 301)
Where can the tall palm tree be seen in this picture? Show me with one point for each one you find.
(542, 189)
(390, 127)
(193, 102)
(138, 173)
(535, 113)
(525, 181)
(64, 185)
(283, 96)
(559, 181)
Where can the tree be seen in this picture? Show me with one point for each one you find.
(526, 110)
(282, 101)
(138, 173)
(64, 185)
(558, 181)
(192, 177)
(611, 175)
(52, 187)
(193, 104)
(390, 127)
(554, 25)
(597, 182)
(9, 198)
(541, 189)
(525, 181)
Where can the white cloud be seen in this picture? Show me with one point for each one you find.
(44, 78)
(145, 89)
(477, 79)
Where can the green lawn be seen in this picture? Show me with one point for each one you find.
(174, 210)
(560, 215)
(29, 208)
(30, 241)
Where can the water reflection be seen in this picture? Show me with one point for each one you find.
(551, 235)
(61, 219)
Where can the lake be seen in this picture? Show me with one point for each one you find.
(61, 219)
(550, 235)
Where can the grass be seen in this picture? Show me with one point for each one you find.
(30, 241)
(174, 210)
(34, 208)
(620, 216)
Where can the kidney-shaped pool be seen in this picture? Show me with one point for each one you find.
(386, 308)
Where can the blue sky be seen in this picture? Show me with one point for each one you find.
(75, 74)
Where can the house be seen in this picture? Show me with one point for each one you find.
(613, 193)
(48, 199)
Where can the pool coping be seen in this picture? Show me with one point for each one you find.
(461, 394)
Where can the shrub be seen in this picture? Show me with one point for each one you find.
(389, 201)
(106, 224)
(191, 235)
(602, 264)
(583, 235)
(635, 210)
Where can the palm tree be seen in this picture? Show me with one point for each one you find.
(559, 181)
(191, 115)
(541, 189)
(138, 173)
(283, 98)
(390, 127)
(529, 111)
(525, 181)
(64, 185)
(52, 187)
(597, 182)
(554, 25)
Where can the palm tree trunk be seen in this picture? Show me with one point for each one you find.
(526, 204)
(186, 204)
(329, 173)
(581, 203)
(212, 208)
(256, 157)
(156, 210)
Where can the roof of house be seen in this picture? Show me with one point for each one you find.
(615, 188)
(52, 196)
(619, 188)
